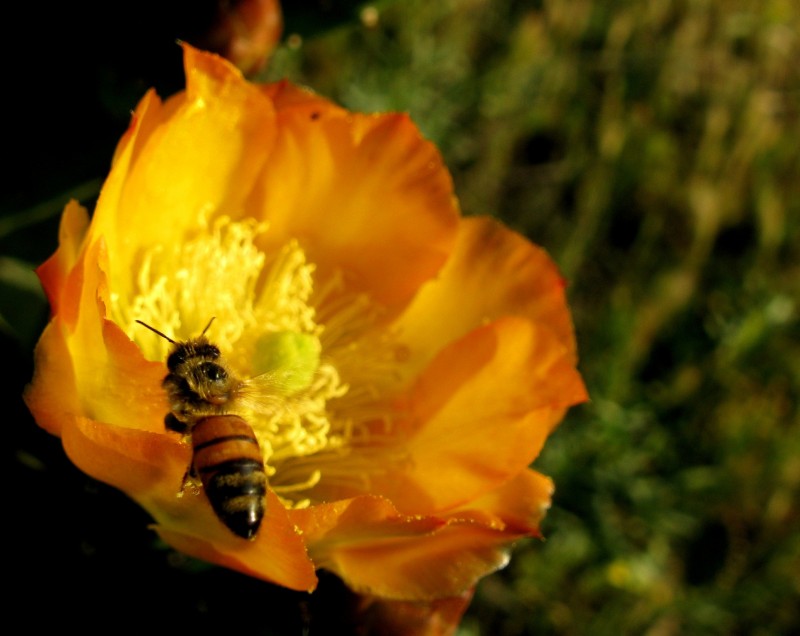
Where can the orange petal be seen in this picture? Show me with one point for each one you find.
(86, 366)
(55, 393)
(481, 412)
(54, 271)
(379, 552)
(149, 467)
(477, 415)
(445, 563)
(277, 555)
(518, 505)
(366, 196)
(298, 103)
(52, 394)
(113, 381)
(364, 518)
(492, 272)
(143, 464)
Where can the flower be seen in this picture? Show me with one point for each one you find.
(426, 356)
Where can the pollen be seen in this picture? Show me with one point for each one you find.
(266, 328)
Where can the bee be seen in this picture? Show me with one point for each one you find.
(226, 456)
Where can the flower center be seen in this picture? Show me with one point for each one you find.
(266, 331)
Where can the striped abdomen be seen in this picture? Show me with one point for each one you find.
(228, 461)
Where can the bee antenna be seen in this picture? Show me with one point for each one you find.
(213, 318)
(153, 329)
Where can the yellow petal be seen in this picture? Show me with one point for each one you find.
(126, 390)
(106, 220)
(196, 156)
(366, 196)
(379, 552)
(492, 272)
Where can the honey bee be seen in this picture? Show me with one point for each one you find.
(226, 456)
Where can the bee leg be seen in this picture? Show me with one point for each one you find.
(172, 423)
(190, 480)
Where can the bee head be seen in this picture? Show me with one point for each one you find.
(212, 382)
(182, 352)
(212, 372)
(185, 351)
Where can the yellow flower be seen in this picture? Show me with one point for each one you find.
(424, 357)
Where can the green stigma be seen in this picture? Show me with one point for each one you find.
(293, 357)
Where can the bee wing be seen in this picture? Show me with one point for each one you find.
(267, 392)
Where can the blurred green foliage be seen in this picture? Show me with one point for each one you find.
(653, 148)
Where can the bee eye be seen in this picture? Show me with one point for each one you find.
(213, 372)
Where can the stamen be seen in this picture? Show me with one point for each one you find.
(271, 325)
